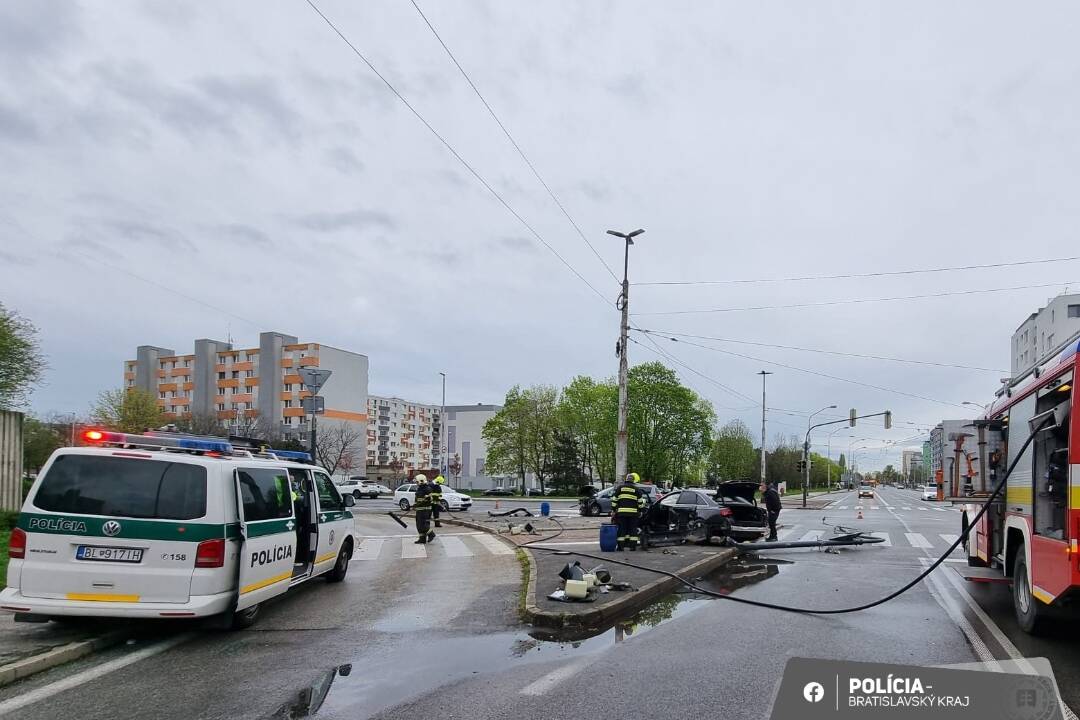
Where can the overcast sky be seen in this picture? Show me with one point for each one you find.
(174, 171)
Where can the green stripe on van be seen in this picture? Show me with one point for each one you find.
(90, 526)
(259, 528)
(332, 515)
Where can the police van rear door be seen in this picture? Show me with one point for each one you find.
(116, 526)
(269, 533)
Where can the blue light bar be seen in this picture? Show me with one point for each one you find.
(1068, 352)
(292, 455)
(205, 445)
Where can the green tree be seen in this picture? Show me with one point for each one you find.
(589, 411)
(566, 472)
(201, 424)
(669, 426)
(39, 441)
(732, 456)
(21, 361)
(506, 436)
(132, 410)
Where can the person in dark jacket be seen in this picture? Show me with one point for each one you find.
(422, 506)
(771, 498)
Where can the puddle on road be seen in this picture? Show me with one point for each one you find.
(381, 680)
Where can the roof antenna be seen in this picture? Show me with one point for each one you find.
(228, 333)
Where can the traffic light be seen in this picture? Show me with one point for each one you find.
(851, 417)
(888, 419)
(801, 466)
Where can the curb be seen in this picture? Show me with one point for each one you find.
(613, 610)
(34, 664)
(632, 601)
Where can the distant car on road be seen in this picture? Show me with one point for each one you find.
(499, 492)
(929, 492)
(866, 491)
(405, 497)
(600, 503)
(357, 488)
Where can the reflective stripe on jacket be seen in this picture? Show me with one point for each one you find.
(627, 499)
(423, 498)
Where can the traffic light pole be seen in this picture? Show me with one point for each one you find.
(806, 443)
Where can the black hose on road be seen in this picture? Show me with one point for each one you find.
(811, 611)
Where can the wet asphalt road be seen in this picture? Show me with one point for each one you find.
(436, 636)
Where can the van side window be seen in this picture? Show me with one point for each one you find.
(329, 499)
(265, 493)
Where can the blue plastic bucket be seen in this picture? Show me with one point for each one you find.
(609, 537)
(545, 509)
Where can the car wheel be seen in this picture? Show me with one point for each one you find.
(373, 496)
(341, 567)
(404, 504)
(1028, 609)
(595, 509)
(356, 494)
(243, 619)
(445, 506)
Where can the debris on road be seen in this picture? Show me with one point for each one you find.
(515, 512)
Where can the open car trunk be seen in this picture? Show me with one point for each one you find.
(738, 496)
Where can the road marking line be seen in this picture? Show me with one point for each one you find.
(924, 509)
(917, 540)
(575, 543)
(903, 508)
(495, 547)
(412, 550)
(454, 547)
(950, 539)
(46, 691)
(556, 676)
(842, 507)
(872, 507)
(368, 548)
(787, 532)
(812, 535)
(938, 509)
(885, 536)
(940, 593)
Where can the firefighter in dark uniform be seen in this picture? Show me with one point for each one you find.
(422, 505)
(771, 498)
(436, 498)
(627, 502)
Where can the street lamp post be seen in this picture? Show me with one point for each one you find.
(624, 328)
(806, 451)
(828, 451)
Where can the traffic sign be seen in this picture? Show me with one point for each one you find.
(314, 405)
(314, 378)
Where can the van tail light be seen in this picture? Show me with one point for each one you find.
(17, 544)
(726, 512)
(210, 554)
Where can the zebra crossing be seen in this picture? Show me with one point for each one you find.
(919, 541)
(894, 507)
(450, 545)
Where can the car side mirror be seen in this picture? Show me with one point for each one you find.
(349, 500)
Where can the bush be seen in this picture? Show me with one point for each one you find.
(8, 520)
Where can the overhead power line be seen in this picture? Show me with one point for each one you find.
(895, 391)
(884, 273)
(854, 301)
(454, 152)
(829, 352)
(513, 142)
(665, 354)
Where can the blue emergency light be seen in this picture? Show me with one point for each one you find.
(292, 455)
(205, 445)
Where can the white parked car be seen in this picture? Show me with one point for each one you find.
(405, 496)
(376, 487)
(357, 488)
(929, 492)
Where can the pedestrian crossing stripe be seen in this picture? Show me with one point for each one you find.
(798, 533)
(917, 540)
(412, 550)
(884, 536)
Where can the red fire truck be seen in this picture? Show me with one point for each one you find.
(1029, 534)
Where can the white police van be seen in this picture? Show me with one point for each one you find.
(167, 526)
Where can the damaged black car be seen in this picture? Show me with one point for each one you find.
(697, 515)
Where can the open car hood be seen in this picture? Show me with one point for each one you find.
(744, 489)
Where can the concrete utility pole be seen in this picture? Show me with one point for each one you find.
(624, 369)
(763, 373)
(442, 430)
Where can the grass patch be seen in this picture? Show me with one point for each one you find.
(523, 593)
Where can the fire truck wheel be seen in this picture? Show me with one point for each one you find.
(1029, 611)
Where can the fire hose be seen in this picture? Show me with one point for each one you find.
(809, 611)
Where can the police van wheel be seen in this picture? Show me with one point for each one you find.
(341, 567)
(243, 619)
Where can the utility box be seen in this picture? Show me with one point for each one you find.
(11, 459)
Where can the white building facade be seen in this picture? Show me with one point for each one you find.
(1043, 331)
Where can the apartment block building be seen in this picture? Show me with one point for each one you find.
(1044, 331)
(405, 431)
(242, 386)
(465, 441)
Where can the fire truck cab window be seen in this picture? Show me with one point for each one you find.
(1051, 471)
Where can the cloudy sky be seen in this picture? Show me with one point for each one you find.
(174, 171)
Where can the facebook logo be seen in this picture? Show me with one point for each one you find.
(813, 692)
